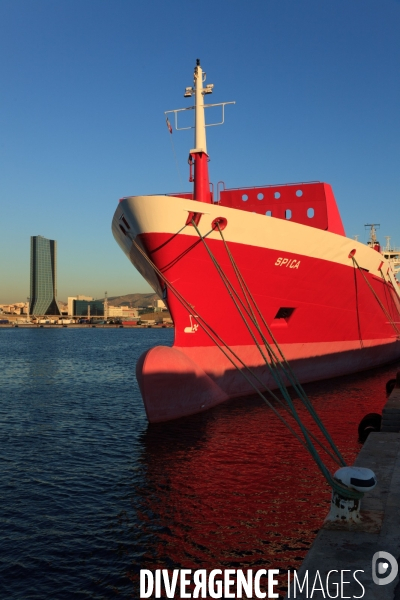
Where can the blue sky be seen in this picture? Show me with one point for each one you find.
(84, 86)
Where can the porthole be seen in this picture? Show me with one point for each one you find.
(260, 196)
(245, 197)
(269, 213)
(299, 193)
(288, 214)
(277, 195)
(310, 213)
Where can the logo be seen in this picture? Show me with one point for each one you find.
(384, 564)
(193, 326)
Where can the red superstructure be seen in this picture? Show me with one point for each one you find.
(311, 204)
(331, 303)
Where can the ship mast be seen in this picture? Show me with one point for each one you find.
(199, 154)
(373, 242)
(200, 127)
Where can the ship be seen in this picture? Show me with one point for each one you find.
(392, 254)
(245, 266)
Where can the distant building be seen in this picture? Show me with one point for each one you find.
(85, 308)
(159, 305)
(43, 288)
(71, 302)
(122, 311)
(19, 308)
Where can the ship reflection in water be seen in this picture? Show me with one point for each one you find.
(233, 488)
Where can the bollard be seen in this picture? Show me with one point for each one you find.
(348, 509)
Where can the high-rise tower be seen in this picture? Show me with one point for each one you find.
(43, 277)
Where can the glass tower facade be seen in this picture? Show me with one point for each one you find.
(43, 277)
(80, 308)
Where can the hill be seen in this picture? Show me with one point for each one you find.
(133, 300)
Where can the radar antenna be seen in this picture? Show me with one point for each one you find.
(372, 233)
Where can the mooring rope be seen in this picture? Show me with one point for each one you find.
(388, 316)
(214, 336)
(289, 373)
(274, 363)
(389, 283)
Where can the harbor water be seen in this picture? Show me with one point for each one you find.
(91, 493)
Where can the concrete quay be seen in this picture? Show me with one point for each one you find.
(351, 547)
(391, 411)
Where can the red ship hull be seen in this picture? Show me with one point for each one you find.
(329, 317)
